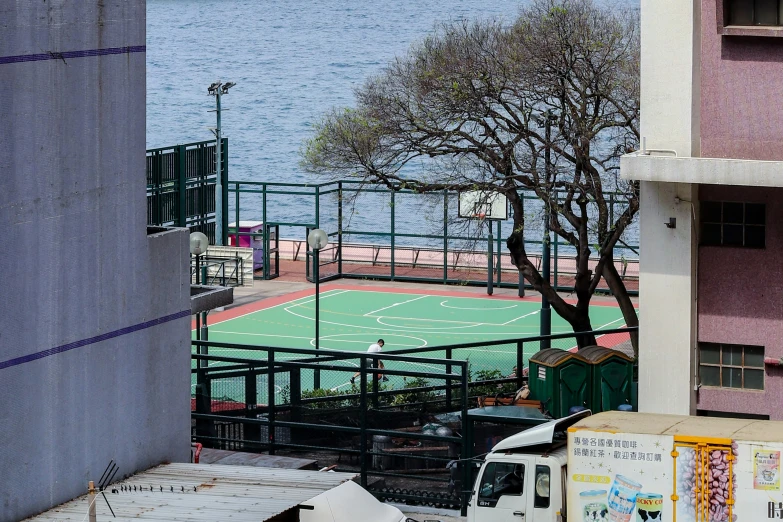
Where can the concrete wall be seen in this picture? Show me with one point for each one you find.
(667, 298)
(742, 77)
(741, 302)
(94, 320)
(669, 120)
(670, 75)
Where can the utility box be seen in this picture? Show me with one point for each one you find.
(612, 377)
(560, 380)
(250, 235)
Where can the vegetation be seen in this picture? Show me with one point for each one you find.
(548, 103)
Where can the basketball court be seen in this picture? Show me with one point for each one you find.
(353, 317)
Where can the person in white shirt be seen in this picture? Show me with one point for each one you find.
(374, 348)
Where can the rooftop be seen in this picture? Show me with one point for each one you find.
(207, 492)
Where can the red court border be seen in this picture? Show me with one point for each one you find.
(218, 317)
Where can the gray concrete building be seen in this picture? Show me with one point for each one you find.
(95, 310)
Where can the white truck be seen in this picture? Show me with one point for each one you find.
(633, 467)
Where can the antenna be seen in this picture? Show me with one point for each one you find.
(106, 478)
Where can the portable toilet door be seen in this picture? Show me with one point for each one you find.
(560, 380)
(612, 376)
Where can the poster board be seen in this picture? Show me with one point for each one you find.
(626, 477)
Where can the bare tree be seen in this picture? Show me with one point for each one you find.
(547, 104)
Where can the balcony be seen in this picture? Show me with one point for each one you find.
(663, 166)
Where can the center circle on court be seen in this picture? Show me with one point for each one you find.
(352, 341)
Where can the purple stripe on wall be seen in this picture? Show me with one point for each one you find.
(92, 340)
(72, 54)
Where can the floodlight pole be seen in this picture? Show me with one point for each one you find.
(218, 89)
(219, 180)
(198, 316)
(316, 240)
(316, 275)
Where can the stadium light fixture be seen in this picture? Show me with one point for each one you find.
(218, 89)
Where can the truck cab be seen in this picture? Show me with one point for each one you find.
(524, 477)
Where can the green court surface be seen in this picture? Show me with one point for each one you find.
(351, 319)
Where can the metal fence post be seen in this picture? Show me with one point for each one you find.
(224, 195)
(363, 420)
(236, 214)
(252, 431)
(393, 232)
(520, 363)
(449, 354)
(521, 287)
(375, 385)
(490, 259)
(267, 270)
(499, 280)
(204, 428)
(467, 444)
(295, 389)
(340, 228)
(271, 399)
(317, 206)
(556, 261)
(445, 235)
(182, 185)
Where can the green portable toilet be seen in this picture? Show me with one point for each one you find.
(560, 380)
(611, 375)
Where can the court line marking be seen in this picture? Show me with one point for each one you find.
(286, 303)
(322, 296)
(534, 312)
(430, 320)
(408, 330)
(444, 305)
(312, 340)
(422, 328)
(610, 322)
(368, 314)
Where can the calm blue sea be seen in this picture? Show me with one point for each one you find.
(292, 60)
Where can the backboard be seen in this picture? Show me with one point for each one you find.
(479, 204)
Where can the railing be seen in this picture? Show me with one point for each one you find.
(260, 398)
(454, 254)
(181, 186)
(281, 416)
(220, 271)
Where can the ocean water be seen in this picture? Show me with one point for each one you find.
(292, 61)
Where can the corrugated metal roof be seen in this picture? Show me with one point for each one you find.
(234, 493)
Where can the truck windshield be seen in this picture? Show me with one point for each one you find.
(500, 478)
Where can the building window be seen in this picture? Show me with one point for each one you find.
(725, 223)
(754, 12)
(731, 366)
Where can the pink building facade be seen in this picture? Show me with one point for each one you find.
(711, 287)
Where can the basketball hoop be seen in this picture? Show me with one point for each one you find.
(482, 206)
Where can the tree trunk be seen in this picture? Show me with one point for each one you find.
(577, 316)
(616, 285)
(579, 319)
